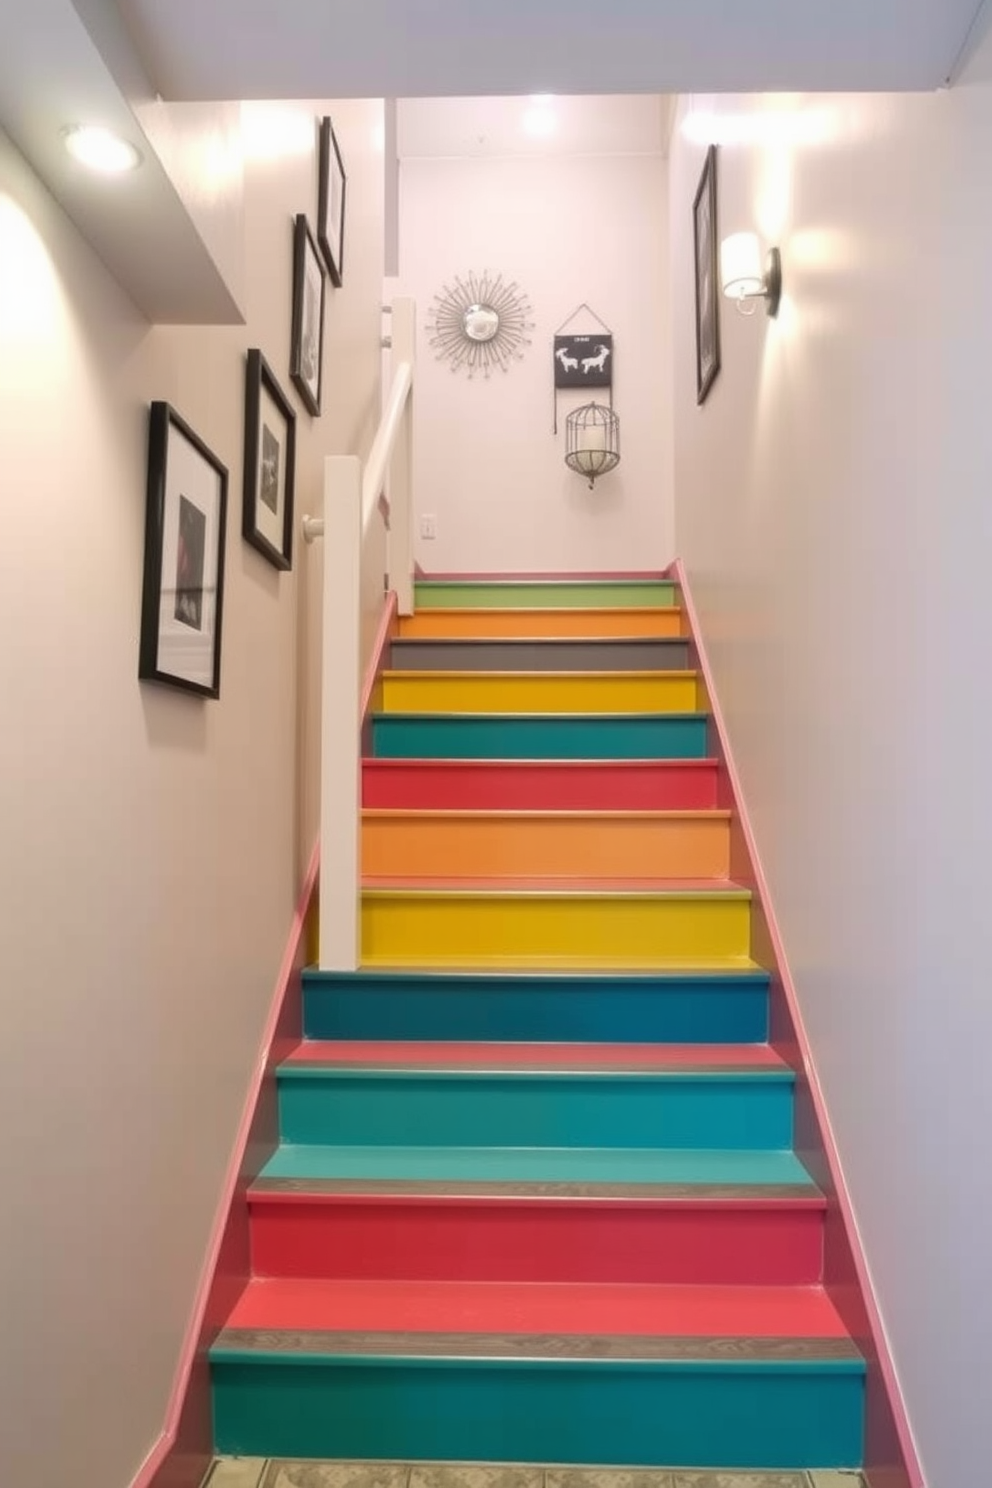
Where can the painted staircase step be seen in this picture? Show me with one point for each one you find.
(689, 1007)
(620, 1374)
(536, 624)
(527, 593)
(543, 1058)
(749, 1236)
(505, 1309)
(558, 844)
(531, 785)
(535, 736)
(599, 654)
(488, 1100)
(540, 692)
(565, 1171)
(595, 926)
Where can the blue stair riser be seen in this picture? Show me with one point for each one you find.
(510, 1110)
(539, 736)
(628, 1010)
(787, 1416)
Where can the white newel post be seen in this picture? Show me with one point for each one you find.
(340, 778)
(400, 489)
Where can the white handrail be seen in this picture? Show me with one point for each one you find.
(352, 496)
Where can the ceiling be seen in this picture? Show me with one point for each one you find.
(199, 49)
(139, 65)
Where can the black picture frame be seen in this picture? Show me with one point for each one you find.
(182, 601)
(704, 237)
(584, 361)
(331, 190)
(269, 464)
(306, 358)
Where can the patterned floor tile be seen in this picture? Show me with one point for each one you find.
(235, 1472)
(740, 1480)
(282, 1474)
(608, 1477)
(468, 1475)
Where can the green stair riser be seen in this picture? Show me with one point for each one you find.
(554, 595)
(478, 1109)
(539, 736)
(773, 1417)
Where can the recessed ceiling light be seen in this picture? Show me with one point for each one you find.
(101, 150)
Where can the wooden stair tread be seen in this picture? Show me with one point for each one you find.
(535, 1057)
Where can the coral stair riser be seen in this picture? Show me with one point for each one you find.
(750, 1241)
(529, 624)
(539, 785)
(540, 692)
(629, 654)
(611, 928)
(639, 845)
(679, 1008)
(522, 736)
(556, 594)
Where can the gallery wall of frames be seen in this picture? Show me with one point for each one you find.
(187, 484)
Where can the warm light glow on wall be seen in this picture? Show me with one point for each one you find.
(274, 132)
(758, 129)
(31, 297)
(541, 119)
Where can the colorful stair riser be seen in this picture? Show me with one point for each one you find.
(634, 845)
(525, 624)
(692, 1409)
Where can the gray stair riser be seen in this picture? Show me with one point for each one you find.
(578, 655)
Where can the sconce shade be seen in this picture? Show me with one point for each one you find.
(741, 272)
(743, 277)
(592, 441)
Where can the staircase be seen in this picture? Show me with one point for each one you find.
(536, 1198)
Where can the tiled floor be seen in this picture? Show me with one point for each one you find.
(253, 1472)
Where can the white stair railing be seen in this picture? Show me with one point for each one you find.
(352, 505)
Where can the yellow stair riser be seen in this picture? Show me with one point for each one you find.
(539, 624)
(540, 692)
(411, 928)
(439, 845)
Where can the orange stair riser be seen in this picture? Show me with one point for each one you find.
(437, 846)
(539, 624)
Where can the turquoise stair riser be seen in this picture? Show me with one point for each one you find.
(664, 654)
(627, 1010)
(739, 1415)
(539, 736)
(488, 1110)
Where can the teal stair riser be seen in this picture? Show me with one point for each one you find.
(486, 1110)
(557, 594)
(775, 1417)
(626, 1010)
(539, 736)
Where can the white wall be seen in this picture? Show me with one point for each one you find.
(570, 225)
(149, 858)
(833, 508)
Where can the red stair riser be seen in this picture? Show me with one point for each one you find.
(476, 1239)
(533, 786)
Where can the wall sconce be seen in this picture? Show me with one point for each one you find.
(742, 277)
(592, 441)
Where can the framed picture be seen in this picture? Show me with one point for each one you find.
(270, 464)
(185, 522)
(330, 202)
(584, 361)
(707, 295)
(306, 360)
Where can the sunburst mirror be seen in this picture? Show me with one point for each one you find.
(480, 323)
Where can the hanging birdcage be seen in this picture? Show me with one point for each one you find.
(592, 441)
